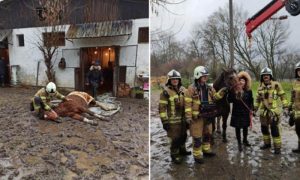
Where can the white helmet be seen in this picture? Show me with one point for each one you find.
(297, 67)
(266, 71)
(51, 88)
(200, 71)
(173, 74)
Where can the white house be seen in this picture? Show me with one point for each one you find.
(121, 46)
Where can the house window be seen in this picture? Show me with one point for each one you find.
(143, 35)
(54, 39)
(21, 39)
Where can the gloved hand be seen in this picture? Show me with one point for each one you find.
(166, 126)
(223, 91)
(292, 120)
(189, 121)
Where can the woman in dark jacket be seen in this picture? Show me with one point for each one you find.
(242, 106)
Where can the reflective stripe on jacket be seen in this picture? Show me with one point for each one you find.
(267, 98)
(46, 98)
(171, 105)
(193, 101)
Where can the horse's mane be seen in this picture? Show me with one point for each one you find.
(219, 82)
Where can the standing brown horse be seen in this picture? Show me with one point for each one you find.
(228, 78)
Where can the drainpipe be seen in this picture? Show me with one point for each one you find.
(37, 73)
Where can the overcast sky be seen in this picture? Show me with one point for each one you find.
(196, 11)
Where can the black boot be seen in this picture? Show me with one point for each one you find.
(184, 152)
(31, 106)
(224, 137)
(199, 160)
(246, 143)
(209, 154)
(238, 138)
(297, 150)
(245, 134)
(277, 151)
(176, 159)
(265, 146)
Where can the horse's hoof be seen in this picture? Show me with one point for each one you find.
(94, 123)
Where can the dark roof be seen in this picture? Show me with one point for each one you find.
(100, 29)
(23, 13)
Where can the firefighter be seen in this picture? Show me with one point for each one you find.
(199, 95)
(295, 106)
(171, 110)
(267, 103)
(41, 104)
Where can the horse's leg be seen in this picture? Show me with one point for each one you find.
(95, 115)
(224, 126)
(84, 119)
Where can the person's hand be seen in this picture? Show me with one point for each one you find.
(101, 82)
(166, 126)
(87, 84)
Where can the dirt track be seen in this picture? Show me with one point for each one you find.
(252, 163)
(36, 149)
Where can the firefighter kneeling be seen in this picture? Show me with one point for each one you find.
(171, 110)
(266, 101)
(198, 100)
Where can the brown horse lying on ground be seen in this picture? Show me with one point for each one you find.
(78, 103)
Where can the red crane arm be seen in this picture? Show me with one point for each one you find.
(264, 14)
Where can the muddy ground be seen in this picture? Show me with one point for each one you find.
(36, 149)
(251, 163)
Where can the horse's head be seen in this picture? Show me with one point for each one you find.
(228, 78)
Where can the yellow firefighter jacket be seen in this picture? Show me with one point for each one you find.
(295, 99)
(193, 101)
(267, 97)
(46, 97)
(171, 105)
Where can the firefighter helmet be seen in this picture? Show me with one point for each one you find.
(173, 74)
(266, 71)
(297, 67)
(51, 88)
(200, 71)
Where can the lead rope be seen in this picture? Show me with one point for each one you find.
(250, 112)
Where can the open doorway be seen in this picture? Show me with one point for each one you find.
(106, 56)
(4, 53)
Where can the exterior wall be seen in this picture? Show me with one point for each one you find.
(27, 57)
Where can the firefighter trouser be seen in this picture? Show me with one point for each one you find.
(297, 128)
(177, 135)
(201, 130)
(37, 103)
(273, 124)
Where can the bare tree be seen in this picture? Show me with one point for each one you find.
(270, 39)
